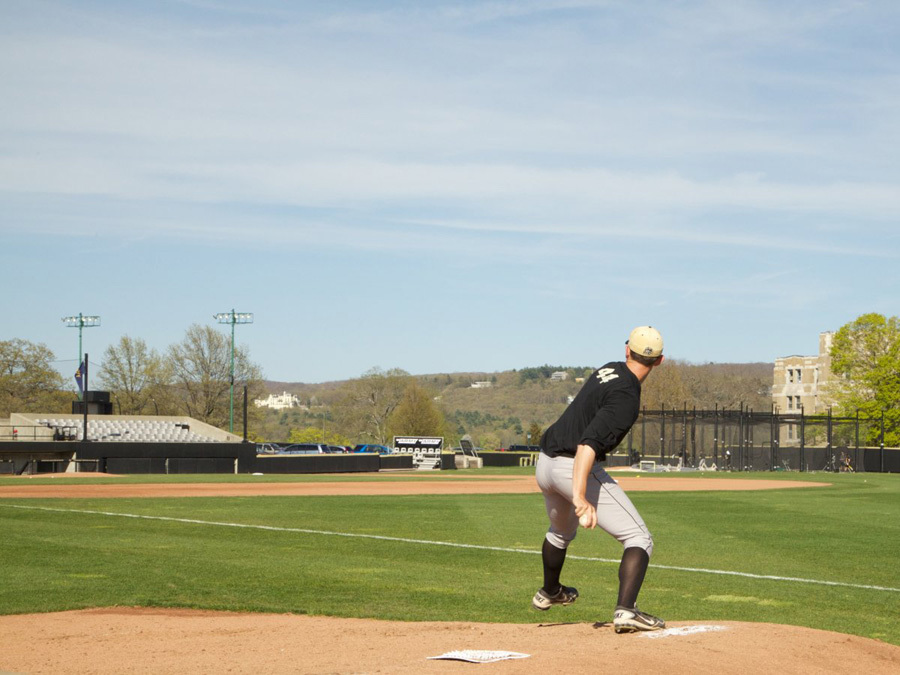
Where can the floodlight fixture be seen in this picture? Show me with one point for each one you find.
(81, 322)
(233, 318)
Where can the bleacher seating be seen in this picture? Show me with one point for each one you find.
(148, 431)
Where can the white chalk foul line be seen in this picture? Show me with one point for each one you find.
(427, 542)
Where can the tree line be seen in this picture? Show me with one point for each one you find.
(192, 377)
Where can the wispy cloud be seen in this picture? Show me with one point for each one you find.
(738, 141)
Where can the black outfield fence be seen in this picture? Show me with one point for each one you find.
(165, 457)
(340, 463)
(35, 457)
(505, 458)
(744, 440)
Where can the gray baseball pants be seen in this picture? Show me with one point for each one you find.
(615, 512)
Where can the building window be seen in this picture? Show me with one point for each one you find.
(790, 402)
(799, 375)
(791, 375)
(799, 405)
(790, 432)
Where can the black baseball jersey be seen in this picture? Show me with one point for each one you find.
(600, 416)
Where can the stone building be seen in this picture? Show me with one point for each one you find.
(801, 382)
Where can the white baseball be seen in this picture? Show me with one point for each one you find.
(585, 520)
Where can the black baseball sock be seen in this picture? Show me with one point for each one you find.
(631, 575)
(553, 563)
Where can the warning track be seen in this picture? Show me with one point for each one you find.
(407, 485)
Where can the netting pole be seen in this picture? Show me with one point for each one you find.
(694, 437)
(662, 436)
(773, 436)
(716, 436)
(802, 436)
(644, 432)
(245, 416)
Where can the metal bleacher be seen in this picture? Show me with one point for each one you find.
(133, 430)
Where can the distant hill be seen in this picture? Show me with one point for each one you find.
(502, 409)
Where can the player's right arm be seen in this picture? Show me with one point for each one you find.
(584, 462)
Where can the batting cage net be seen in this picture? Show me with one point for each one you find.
(744, 440)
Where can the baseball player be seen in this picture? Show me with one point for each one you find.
(577, 489)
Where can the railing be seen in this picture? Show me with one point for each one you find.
(37, 432)
(33, 467)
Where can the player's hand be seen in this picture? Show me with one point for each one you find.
(587, 514)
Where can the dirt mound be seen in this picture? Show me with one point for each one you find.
(128, 640)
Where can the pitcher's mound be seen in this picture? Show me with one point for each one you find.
(124, 640)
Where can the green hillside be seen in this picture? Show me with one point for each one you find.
(501, 408)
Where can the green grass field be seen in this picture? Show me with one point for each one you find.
(56, 556)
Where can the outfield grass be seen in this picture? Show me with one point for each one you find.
(845, 533)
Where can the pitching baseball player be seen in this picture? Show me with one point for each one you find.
(577, 489)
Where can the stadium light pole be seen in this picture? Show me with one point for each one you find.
(81, 322)
(233, 318)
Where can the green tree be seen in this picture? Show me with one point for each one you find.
(201, 374)
(28, 381)
(865, 358)
(535, 431)
(135, 375)
(489, 441)
(365, 405)
(416, 414)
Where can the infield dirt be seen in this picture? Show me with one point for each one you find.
(136, 640)
(396, 485)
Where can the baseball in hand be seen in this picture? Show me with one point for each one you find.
(585, 520)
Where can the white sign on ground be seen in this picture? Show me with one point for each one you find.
(426, 450)
(480, 656)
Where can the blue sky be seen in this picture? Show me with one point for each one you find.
(449, 186)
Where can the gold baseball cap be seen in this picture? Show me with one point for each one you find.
(646, 341)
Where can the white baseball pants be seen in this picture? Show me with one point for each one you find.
(615, 512)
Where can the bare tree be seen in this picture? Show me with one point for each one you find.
(133, 373)
(664, 387)
(366, 404)
(201, 374)
(28, 381)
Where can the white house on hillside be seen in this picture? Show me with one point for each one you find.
(278, 401)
